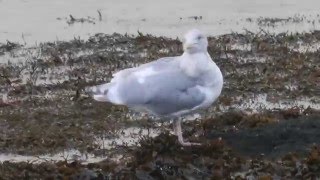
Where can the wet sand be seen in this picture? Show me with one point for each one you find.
(36, 21)
(265, 125)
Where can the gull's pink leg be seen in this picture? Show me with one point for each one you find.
(178, 132)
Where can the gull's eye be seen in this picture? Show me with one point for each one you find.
(199, 37)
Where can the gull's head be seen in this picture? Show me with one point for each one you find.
(195, 41)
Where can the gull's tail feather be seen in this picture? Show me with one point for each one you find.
(99, 92)
(101, 98)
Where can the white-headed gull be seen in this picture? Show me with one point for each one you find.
(170, 86)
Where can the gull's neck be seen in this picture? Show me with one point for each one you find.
(199, 57)
(203, 55)
(196, 63)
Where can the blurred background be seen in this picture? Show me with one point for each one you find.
(33, 21)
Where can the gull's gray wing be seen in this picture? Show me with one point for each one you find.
(164, 92)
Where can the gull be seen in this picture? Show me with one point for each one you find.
(170, 87)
